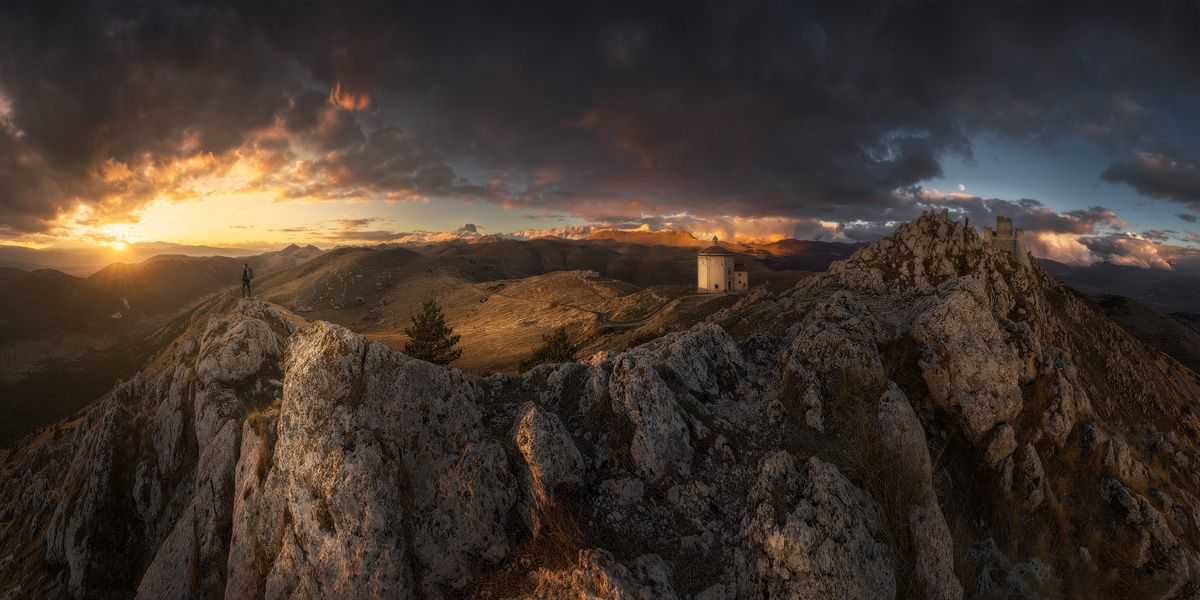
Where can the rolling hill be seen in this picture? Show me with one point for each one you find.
(503, 296)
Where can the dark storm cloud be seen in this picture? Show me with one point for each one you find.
(865, 231)
(1159, 176)
(1185, 217)
(26, 184)
(1033, 215)
(88, 84)
(757, 109)
(389, 163)
(1026, 213)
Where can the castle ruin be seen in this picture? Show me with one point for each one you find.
(1005, 237)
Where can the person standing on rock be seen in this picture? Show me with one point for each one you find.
(247, 275)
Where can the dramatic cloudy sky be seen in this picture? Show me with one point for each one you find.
(334, 122)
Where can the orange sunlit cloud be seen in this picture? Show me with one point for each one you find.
(1061, 247)
(347, 100)
(762, 229)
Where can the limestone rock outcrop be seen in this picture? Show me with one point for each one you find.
(967, 364)
(931, 544)
(817, 535)
(551, 459)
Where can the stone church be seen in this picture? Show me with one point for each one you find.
(718, 272)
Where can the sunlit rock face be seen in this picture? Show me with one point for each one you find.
(827, 539)
(134, 493)
(930, 419)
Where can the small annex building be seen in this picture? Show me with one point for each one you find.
(718, 272)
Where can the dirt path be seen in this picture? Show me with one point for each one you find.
(603, 317)
(550, 304)
(605, 323)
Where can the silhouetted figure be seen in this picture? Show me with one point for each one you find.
(247, 276)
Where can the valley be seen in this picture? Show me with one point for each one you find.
(66, 340)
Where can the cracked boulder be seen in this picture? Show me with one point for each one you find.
(817, 535)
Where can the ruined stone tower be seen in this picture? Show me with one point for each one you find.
(1005, 237)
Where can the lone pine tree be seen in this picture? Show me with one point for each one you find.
(430, 338)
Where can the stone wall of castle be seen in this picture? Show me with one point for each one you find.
(1007, 238)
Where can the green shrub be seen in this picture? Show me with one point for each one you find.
(556, 348)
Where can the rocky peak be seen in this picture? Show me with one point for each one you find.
(935, 251)
(925, 253)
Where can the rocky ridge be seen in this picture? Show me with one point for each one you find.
(929, 419)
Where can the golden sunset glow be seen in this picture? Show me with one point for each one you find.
(255, 145)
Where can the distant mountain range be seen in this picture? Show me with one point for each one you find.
(47, 301)
(85, 261)
(1176, 334)
(65, 339)
(1163, 290)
